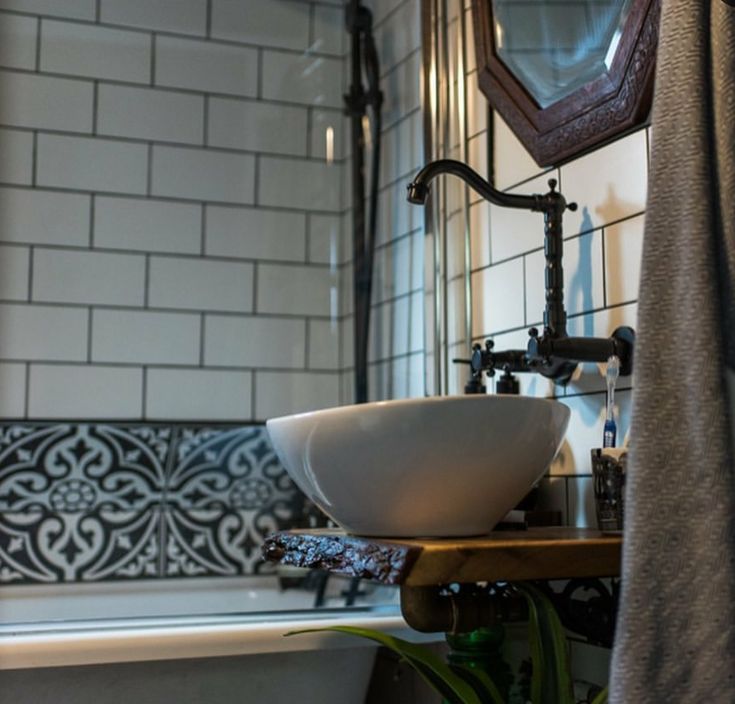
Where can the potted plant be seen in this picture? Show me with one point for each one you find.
(550, 681)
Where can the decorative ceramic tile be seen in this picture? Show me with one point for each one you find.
(75, 468)
(226, 491)
(71, 547)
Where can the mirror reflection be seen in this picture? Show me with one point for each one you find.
(555, 47)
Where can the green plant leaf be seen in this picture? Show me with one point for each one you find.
(481, 682)
(601, 698)
(432, 669)
(551, 683)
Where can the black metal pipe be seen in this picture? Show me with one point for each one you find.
(418, 189)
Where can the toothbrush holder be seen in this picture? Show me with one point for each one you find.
(608, 470)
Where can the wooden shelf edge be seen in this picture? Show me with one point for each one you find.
(539, 553)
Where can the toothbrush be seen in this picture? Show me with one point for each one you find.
(610, 432)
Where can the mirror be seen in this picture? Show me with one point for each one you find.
(567, 76)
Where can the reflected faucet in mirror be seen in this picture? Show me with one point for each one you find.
(550, 352)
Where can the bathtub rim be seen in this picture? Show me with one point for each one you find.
(87, 644)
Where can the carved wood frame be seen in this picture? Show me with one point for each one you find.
(595, 113)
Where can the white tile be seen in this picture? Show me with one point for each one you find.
(283, 393)
(456, 244)
(398, 268)
(514, 232)
(98, 52)
(145, 337)
(13, 385)
(296, 290)
(232, 341)
(147, 225)
(585, 430)
(396, 216)
(198, 394)
(44, 217)
(402, 151)
(400, 36)
(278, 23)
(608, 185)
(18, 41)
(325, 239)
(203, 175)
(324, 341)
(477, 108)
(91, 164)
(513, 163)
(328, 134)
(329, 30)
(457, 314)
(255, 233)
(302, 78)
(402, 89)
(480, 234)
(145, 113)
(477, 157)
(88, 277)
(29, 100)
(591, 377)
(43, 332)
(582, 502)
(14, 273)
(206, 66)
(201, 284)
(553, 496)
(76, 9)
(583, 278)
(257, 126)
(181, 16)
(623, 247)
(497, 298)
(299, 183)
(82, 392)
(16, 165)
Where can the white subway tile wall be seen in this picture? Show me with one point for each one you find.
(169, 222)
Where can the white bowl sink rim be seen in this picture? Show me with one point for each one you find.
(390, 468)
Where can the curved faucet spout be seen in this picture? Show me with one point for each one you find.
(418, 189)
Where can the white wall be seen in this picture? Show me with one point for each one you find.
(169, 225)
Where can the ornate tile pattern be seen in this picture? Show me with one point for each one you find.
(226, 491)
(89, 502)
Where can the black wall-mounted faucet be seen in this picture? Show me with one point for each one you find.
(552, 352)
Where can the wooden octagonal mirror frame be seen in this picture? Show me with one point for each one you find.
(611, 104)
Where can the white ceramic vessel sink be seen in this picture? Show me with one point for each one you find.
(430, 467)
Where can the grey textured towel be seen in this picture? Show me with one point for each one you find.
(676, 629)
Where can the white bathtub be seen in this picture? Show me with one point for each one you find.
(149, 622)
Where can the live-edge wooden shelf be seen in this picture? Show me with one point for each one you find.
(504, 556)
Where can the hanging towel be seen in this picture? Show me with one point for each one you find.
(675, 639)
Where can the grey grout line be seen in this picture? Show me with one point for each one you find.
(253, 394)
(179, 145)
(205, 121)
(132, 29)
(255, 288)
(190, 366)
(307, 344)
(256, 180)
(208, 29)
(98, 11)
